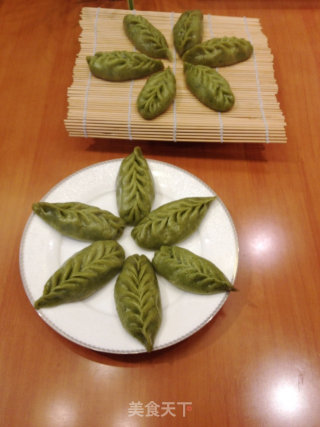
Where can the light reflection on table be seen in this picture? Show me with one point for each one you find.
(61, 412)
(287, 399)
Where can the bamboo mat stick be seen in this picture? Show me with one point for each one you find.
(101, 109)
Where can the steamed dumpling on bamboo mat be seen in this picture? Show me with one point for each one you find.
(157, 94)
(209, 87)
(187, 32)
(146, 37)
(120, 65)
(219, 52)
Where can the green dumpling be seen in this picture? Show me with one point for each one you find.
(145, 37)
(189, 271)
(135, 188)
(157, 94)
(118, 66)
(137, 299)
(209, 87)
(219, 52)
(171, 223)
(187, 31)
(80, 221)
(83, 274)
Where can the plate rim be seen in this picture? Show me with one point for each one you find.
(138, 351)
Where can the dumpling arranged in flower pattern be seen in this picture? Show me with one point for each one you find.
(135, 189)
(80, 221)
(187, 32)
(171, 223)
(138, 300)
(83, 274)
(159, 91)
(146, 37)
(189, 271)
(136, 291)
(209, 87)
(219, 52)
(157, 94)
(119, 66)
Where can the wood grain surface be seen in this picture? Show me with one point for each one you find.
(257, 363)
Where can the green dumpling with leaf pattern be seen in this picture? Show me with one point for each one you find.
(146, 37)
(120, 65)
(83, 274)
(190, 272)
(138, 301)
(80, 221)
(209, 86)
(157, 94)
(171, 223)
(187, 31)
(219, 52)
(134, 188)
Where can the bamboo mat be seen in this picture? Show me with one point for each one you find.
(101, 109)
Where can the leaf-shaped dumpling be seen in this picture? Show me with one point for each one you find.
(80, 221)
(209, 87)
(157, 94)
(145, 37)
(219, 52)
(189, 271)
(83, 274)
(137, 299)
(187, 31)
(117, 66)
(171, 223)
(135, 191)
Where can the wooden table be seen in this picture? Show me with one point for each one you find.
(257, 362)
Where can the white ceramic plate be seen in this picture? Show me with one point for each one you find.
(94, 323)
